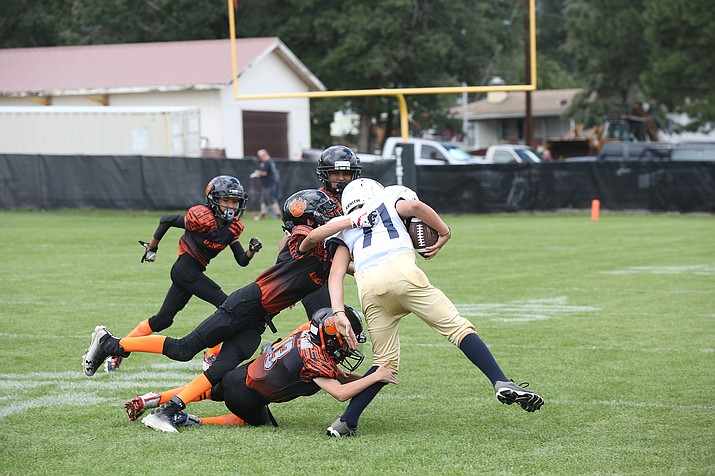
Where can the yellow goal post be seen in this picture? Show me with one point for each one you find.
(399, 93)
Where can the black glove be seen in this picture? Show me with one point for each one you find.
(255, 245)
(149, 255)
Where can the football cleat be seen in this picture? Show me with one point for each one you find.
(509, 392)
(112, 363)
(186, 419)
(339, 429)
(162, 418)
(209, 359)
(95, 355)
(136, 406)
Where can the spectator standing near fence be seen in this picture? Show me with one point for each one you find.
(270, 178)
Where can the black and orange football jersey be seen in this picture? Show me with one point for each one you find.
(205, 235)
(333, 197)
(295, 274)
(287, 371)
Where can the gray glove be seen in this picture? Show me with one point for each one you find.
(149, 255)
(255, 245)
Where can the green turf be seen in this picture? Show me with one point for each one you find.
(613, 322)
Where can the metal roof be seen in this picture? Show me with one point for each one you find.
(136, 67)
(544, 103)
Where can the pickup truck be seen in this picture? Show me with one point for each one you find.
(427, 152)
(511, 154)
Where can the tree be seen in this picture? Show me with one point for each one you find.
(609, 53)
(35, 24)
(83, 22)
(681, 75)
(385, 44)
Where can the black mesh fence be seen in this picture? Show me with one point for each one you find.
(163, 183)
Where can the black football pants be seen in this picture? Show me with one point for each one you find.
(239, 323)
(188, 279)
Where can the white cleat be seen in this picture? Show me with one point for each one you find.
(93, 356)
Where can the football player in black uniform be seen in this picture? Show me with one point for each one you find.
(299, 365)
(210, 228)
(241, 320)
(338, 166)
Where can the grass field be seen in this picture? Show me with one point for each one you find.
(612, 322)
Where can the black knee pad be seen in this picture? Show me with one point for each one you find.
(219, 369)
(184, 349)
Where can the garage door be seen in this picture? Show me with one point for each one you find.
(265, 130)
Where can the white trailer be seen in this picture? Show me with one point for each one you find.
(101, 130)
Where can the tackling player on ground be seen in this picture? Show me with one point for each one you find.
(299, 365)
(210, 228)
(390, 286)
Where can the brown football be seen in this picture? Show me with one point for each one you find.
(422, 235)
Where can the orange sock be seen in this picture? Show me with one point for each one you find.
(142, 329)
(195, 389)
(167, 394)
(214, 350)
(150, 344)
(230, 420)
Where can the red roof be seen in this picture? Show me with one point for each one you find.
(175, 64)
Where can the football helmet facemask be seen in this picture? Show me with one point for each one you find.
(228, 187)
(308, 204)
(337, 157)
(324, 333)
(358, 192)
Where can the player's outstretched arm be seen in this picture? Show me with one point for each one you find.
(349, 390)
(322, 232)
(356, 219)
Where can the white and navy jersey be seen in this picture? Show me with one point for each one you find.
(371, 246)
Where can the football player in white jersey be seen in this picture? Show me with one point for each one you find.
(391, 285)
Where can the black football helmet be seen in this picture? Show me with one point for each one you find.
(323, 333)
(226, 186)
(309, 203)
(337, 157)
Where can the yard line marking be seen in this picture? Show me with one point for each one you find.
(697, 270)
(69, 399)
(74, 389)
(523, 311)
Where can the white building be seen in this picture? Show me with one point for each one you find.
(176, 74)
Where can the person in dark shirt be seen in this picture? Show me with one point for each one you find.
(210, 228)
(270, 179)
(300, 365)
(241, 320)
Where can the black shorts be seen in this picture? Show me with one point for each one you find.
(244, 402)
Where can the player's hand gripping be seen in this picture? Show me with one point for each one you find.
(361, 219)
(431, 251)
(149, 254)
(255, 245)
(342, 323)
(386, 374)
